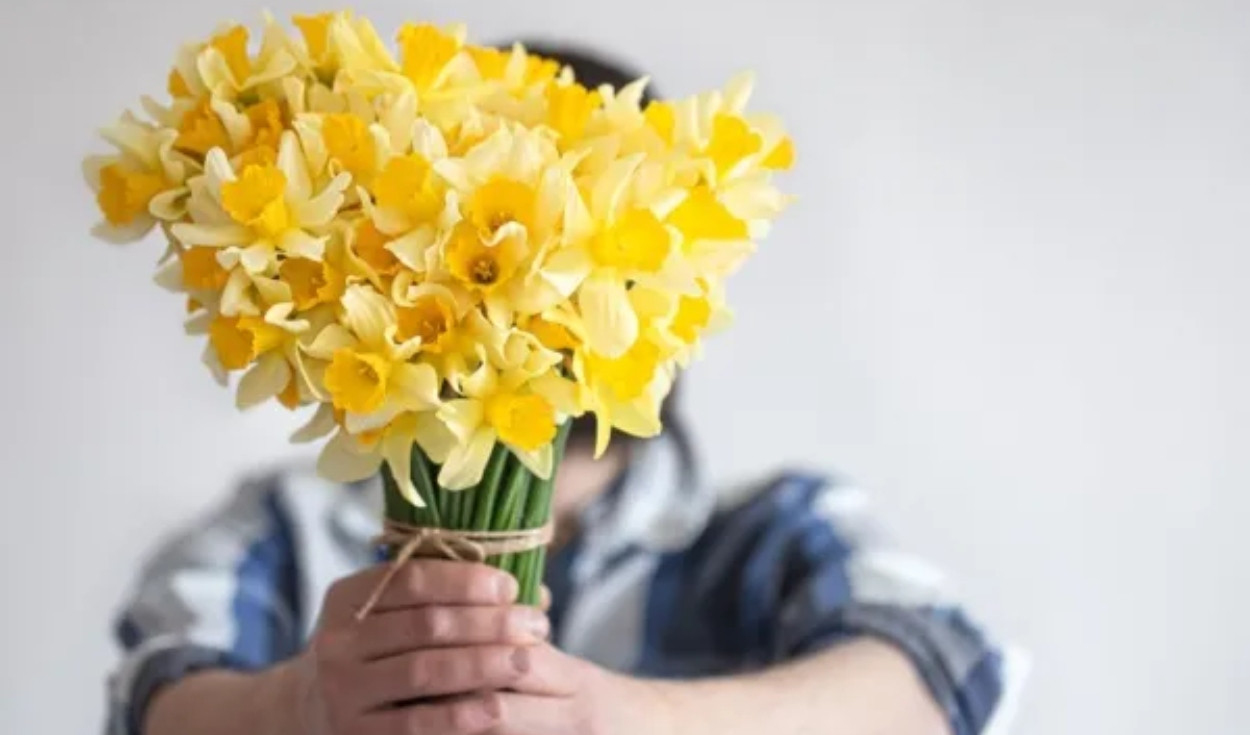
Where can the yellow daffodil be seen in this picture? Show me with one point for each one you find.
(338, 42)
(626, 392)
(569, 109)
(370, 375)
(481, 266)
(496, 407)
(410, 201)
(144, 183)
(268, 348)
(262, 211)
(449, 246)
(515, 68)
(426, 52)
(227, 69)
(374, 381)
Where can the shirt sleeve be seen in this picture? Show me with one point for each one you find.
(222, 594)
(813, 574)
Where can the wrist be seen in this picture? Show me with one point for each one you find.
(217, 701)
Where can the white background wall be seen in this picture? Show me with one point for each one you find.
(1011, 300)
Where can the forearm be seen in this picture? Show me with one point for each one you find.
(861, 688)
(223, 703)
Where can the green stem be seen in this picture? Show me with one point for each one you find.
(508, 498)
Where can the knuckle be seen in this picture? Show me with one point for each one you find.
(507, 623)
(434, 625)
(416, 579)
(419, 672)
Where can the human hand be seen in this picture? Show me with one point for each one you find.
(444, 638)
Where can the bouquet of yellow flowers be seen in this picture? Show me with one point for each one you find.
(450, 252)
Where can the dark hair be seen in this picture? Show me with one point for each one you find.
(589, 67)
(593, 70)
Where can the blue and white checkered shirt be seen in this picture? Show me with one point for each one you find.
(660, 583)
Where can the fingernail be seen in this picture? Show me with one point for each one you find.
(507, 588)
(521, 660)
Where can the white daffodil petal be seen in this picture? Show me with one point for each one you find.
(436, 440)
(343, 460)
(397, 451)
(236, 299)
(291, 163)
(638, 418)
(169, 276)
(411, 249)
(265, 380)
(416, 386)
(611, 324)
(361, 423)
(560, 392)
(466, 463)
(304, 245)
(610, 188)
(320, 210)
(566, 269)
(368, 314)
(124, 234)
(321, 424)
(170, 205)
(540, 461)
(331, 339)
(256, 258)
(211, 235)
(462, 417)
(273, 291)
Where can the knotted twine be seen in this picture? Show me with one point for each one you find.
(420, 542)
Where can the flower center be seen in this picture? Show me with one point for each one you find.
(258, 199)
(485, 271)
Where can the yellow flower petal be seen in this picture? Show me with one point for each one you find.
(540, 461)
(637, 242)
(357, 381)
(702, 217)
(211, 235)
(527, 422)
(611, 324)
(321, 424)
(330, 340)
(267, 378)
(435, 439)
(415, 386)
(396, 449)
(344, 460)
(368, 314)
(466, 463)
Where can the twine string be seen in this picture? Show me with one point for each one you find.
(420, 542)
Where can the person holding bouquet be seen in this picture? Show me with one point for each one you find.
(664, 611)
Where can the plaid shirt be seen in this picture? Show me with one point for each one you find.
(660, 583)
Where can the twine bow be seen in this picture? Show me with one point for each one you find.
(444, 543)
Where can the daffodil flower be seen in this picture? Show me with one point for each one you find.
(410, 202)
(262, 212)
(143, 184)
(226, 68)
(496, 407)
(338, 42)
(622, 241)
(370, 376)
